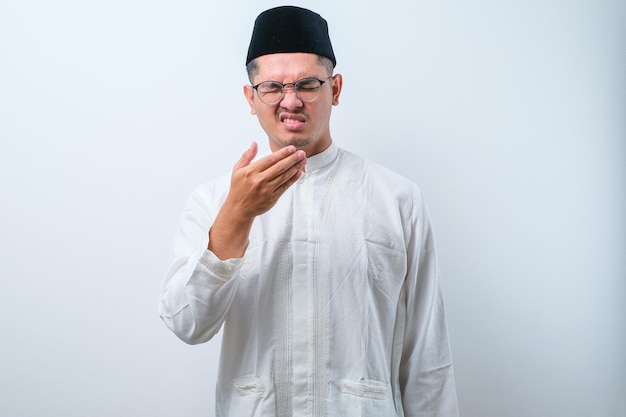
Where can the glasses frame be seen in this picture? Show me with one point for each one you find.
(295, 89)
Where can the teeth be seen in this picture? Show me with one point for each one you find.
(290, 120)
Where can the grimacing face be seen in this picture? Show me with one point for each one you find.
(306, 125)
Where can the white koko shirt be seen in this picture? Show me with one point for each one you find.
(334, 310)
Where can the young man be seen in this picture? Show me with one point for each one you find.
(319, 264)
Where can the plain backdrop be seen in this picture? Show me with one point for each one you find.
(510, 115)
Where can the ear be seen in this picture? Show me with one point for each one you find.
(337, 84)
(248, 92)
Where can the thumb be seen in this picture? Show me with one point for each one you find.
(247, 156)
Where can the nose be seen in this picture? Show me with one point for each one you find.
(290, 99)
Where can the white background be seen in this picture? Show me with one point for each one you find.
(510, 115)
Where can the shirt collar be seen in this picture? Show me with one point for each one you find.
(322, 159)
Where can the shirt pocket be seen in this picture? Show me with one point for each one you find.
(386, 268)
(246, 396)
(362, 398)
(373, 390)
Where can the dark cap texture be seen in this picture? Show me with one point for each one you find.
(290, 29)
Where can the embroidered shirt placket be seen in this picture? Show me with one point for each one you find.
(321, 276)
(303, 248)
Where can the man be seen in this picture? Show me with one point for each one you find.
(319, 264)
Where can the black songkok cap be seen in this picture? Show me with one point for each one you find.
(290, 29)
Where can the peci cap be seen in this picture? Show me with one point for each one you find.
(290, 29)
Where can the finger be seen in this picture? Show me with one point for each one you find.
(280, 168)
(273, 158)
(285, 178)
(290, 178)
(247, 156)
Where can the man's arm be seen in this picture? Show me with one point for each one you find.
(426, 373)
(201, 284)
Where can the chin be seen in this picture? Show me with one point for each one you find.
(297, 142)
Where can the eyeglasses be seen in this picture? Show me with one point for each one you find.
(306, 89)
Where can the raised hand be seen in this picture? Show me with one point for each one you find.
(255, 188)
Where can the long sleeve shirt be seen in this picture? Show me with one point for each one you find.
(335, 309)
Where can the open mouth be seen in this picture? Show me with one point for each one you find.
(292, 121)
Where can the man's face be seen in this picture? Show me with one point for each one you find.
(292, 121)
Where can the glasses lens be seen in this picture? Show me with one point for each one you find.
(308, 89)
(270, 92)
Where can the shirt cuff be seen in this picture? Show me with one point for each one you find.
(221, 269)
